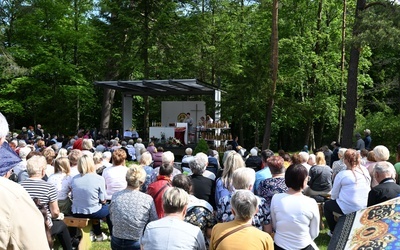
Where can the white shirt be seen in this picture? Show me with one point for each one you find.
(62, 183)
(307, 166)
(74, 171)
(138, 147)
(21, 166)
(49, 170)
(115, 178)
(351, 188)
(295, 219)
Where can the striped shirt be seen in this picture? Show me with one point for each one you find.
(42, 190)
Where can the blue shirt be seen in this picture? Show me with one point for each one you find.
(261, 175)
(87, 192)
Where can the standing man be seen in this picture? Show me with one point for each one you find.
(367, 139)
(190, 132)
(360, 144)
(189, 122)
(38, 130)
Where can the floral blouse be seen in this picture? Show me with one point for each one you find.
(200, 217)
(271, 186)
(149, 172)
(224, 212)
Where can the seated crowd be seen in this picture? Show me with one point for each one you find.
(148, 201)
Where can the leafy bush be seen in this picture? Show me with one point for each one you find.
(202, 146)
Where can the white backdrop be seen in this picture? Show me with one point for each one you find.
(171, 110)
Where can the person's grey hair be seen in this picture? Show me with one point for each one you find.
(130, 142)
(243, 178)
(174, 200)
(21, 143)
(139, 140)
(381, 153)
(188, 151)
(146, 159)
(3, 126)
(244, 203)
(123, 143)
(341, 152)
(304, 156)
(168, 157)
(114, 142)
(35, 165)
(199, 163)
(384, 167)
(107, 155)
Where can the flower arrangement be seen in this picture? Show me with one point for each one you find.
(174, 142)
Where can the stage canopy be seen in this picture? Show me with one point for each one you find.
(160, 87)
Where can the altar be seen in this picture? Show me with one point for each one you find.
(179, 131)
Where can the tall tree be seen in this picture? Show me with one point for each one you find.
(274, 73)
(352, 79)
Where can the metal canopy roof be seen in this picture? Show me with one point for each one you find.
(160, 87)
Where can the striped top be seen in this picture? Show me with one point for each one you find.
(42, 190)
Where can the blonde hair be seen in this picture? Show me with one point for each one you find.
(97, 157)
(62, 152)
(232, 162)
(320, 159)
(62, 165)
(74, 156)
(87, 144)
(49, 154)
(35, 165)
(135, 176)
(86, 165)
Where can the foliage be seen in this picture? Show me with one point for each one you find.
(202, 147)
(52, 51)
(384, 128)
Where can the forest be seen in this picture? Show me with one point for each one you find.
(293, 72)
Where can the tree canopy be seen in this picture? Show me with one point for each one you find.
(52, 52)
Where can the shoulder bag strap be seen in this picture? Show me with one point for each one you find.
(161, 189)
(229, 233)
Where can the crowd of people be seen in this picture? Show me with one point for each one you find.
(149, 201)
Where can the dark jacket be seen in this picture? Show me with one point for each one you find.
(386, 190)
(254, 162)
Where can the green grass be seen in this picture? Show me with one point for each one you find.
(322, 240)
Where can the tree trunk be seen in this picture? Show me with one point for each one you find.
(351, 95)
(274, 74)
(108, 99)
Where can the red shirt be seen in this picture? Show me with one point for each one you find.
(157, 190)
